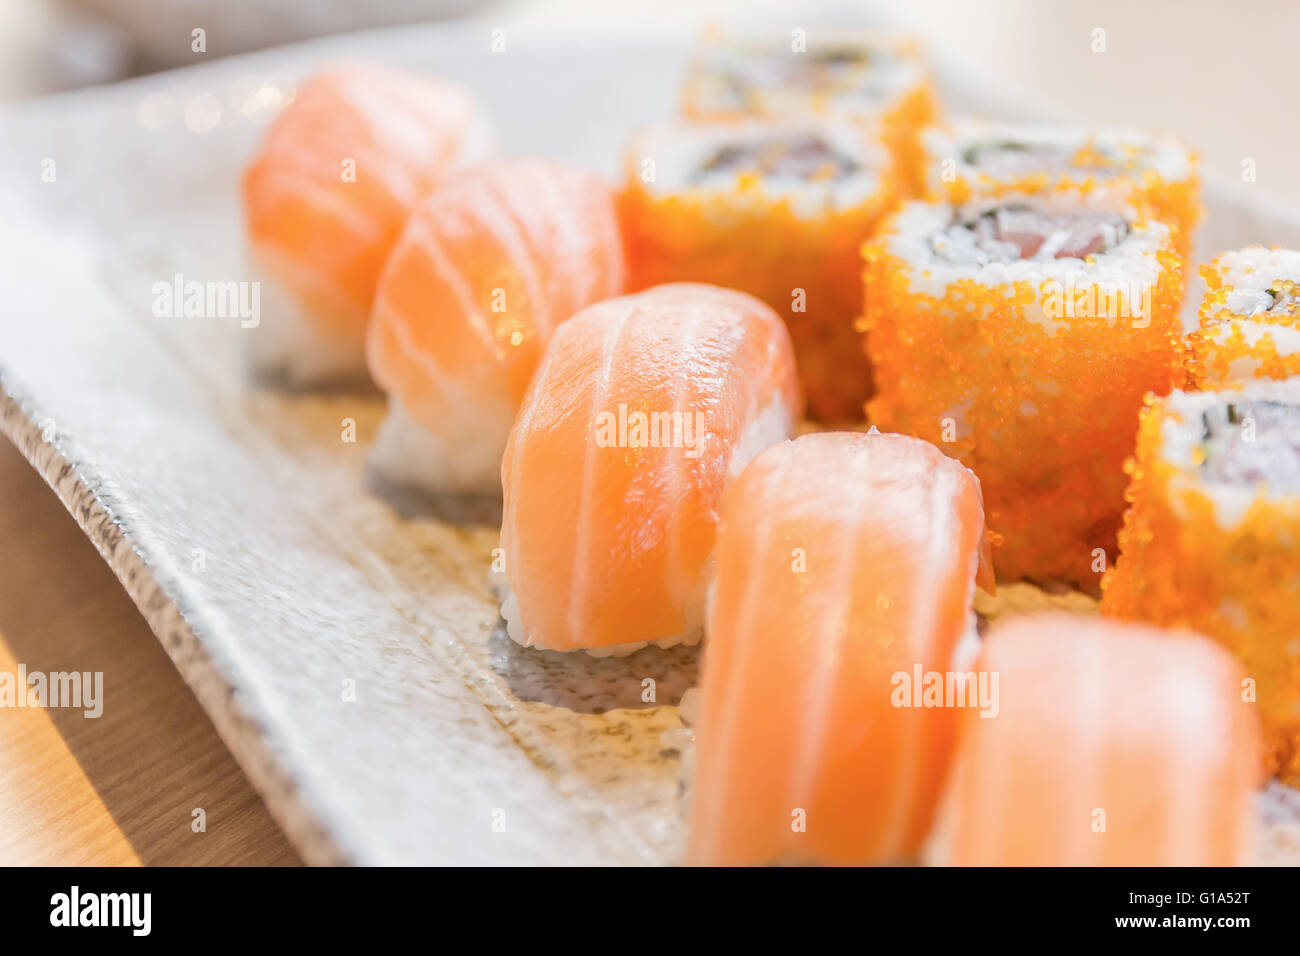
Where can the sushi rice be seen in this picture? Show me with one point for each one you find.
(465, 462)
(1249, 319)
(288, 345)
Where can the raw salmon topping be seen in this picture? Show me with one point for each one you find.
(339, 172)
(1114, 745)
(640, 410)
(487, 267)
(845, 566)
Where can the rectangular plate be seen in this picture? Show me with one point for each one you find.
(342, 638)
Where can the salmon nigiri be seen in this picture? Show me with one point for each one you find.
(486, 268)
(641, 409)
(326, 196)
(846, 567)
(1114, 744)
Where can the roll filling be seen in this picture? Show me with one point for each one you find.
(1253, 442)
(1020, 231)
(806, 157)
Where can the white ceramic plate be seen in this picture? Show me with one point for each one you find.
(343, 640)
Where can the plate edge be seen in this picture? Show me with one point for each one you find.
(240, 732)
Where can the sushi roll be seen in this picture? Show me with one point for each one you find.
(1249, 318)
(1210, 540)
(846, 568)
(642, 408)
(486, 268)
(1019, 334)
(325, 198)
(877, 77)
(777, 208)
(1113, 745)
(968, 158)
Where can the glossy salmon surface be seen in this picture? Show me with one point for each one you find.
(846, 567)
(641, 410)
(1114, 745)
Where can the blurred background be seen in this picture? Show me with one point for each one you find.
(100, 792)
(1222, 76)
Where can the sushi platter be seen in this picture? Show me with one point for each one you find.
(286, 469)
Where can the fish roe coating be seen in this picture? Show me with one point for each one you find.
(1182, 566)
(1043, 412)
(900, 129)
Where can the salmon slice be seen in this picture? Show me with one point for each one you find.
(486, 268)
(642, 408)
(845, 562)
(1114, 745)
(330, 187)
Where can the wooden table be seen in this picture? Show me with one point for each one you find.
(120, 789)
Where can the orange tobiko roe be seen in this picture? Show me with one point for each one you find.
(1047, 411)
(1179, 567)
(901, 131)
